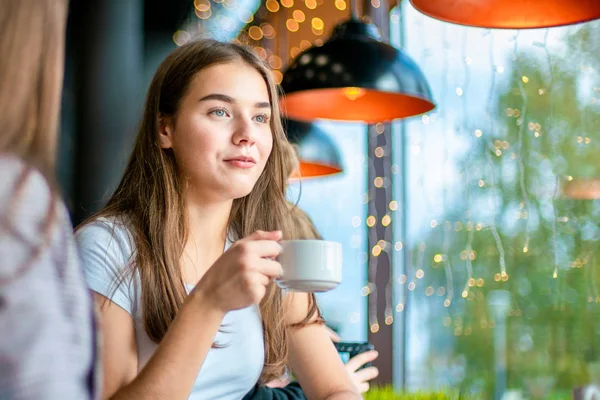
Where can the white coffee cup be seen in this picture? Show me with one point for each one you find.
(310, 265)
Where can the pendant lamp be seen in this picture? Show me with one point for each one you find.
(354, 76)
(317, 153)
(506, 14)
(582, 189)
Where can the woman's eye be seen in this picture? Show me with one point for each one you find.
(262, 118)
(219, 113)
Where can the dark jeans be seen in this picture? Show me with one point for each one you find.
(293, 391)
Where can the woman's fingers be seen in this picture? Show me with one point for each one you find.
(365, 375)
(270, 268)
(361, 359)
(263, 248)
(264, 235)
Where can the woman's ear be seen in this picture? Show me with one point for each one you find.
(165, 132)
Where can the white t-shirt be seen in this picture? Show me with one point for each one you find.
(106, 248)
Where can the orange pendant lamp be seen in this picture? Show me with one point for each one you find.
(582, 189)
(354, 76)
(317, 154)
(508, 14)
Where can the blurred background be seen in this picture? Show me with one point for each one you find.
(470, 232)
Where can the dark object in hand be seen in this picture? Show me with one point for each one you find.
(352, 349)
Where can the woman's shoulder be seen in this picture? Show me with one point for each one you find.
(103, 229)
(106, 249)
(107, 234)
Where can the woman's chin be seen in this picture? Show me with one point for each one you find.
(239, 191)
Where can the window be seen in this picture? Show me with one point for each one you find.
(502, 246)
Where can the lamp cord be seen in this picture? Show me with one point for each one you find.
(353, 9)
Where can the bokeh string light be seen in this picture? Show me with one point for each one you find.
(445, 168)
(470, 226)
(521, 121)
(416, 146)
(380, 221)
(491, 169)
(550, 132)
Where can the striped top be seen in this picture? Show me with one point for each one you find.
(47, 340)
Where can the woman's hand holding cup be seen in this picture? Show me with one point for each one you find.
(239, 278)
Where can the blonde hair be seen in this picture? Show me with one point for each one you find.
(31, 68)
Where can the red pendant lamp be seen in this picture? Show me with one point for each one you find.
(507, 14)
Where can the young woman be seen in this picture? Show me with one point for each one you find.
(182, 256)
(47, 339)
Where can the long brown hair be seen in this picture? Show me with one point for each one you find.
(32, 40)
(150, 197)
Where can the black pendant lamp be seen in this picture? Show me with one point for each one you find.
(317, 154)
(505, 14)
(354, 76)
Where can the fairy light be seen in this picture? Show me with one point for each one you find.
(203, 14)
(447, 227)
(261, 52)
(299, 16)
(246, 16)
(365, 291)
(471, 231)
(202, 5)
(275, 62)
(304, 45)
(292, 25)
(521, 154)
(277, 76)
(317, 23)
(272, 5)
(550, 127)
(255, 33)
(181, 37)
(310, 4)
(491, 170)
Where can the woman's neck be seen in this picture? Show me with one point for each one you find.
(207, 223)
(207, 233)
